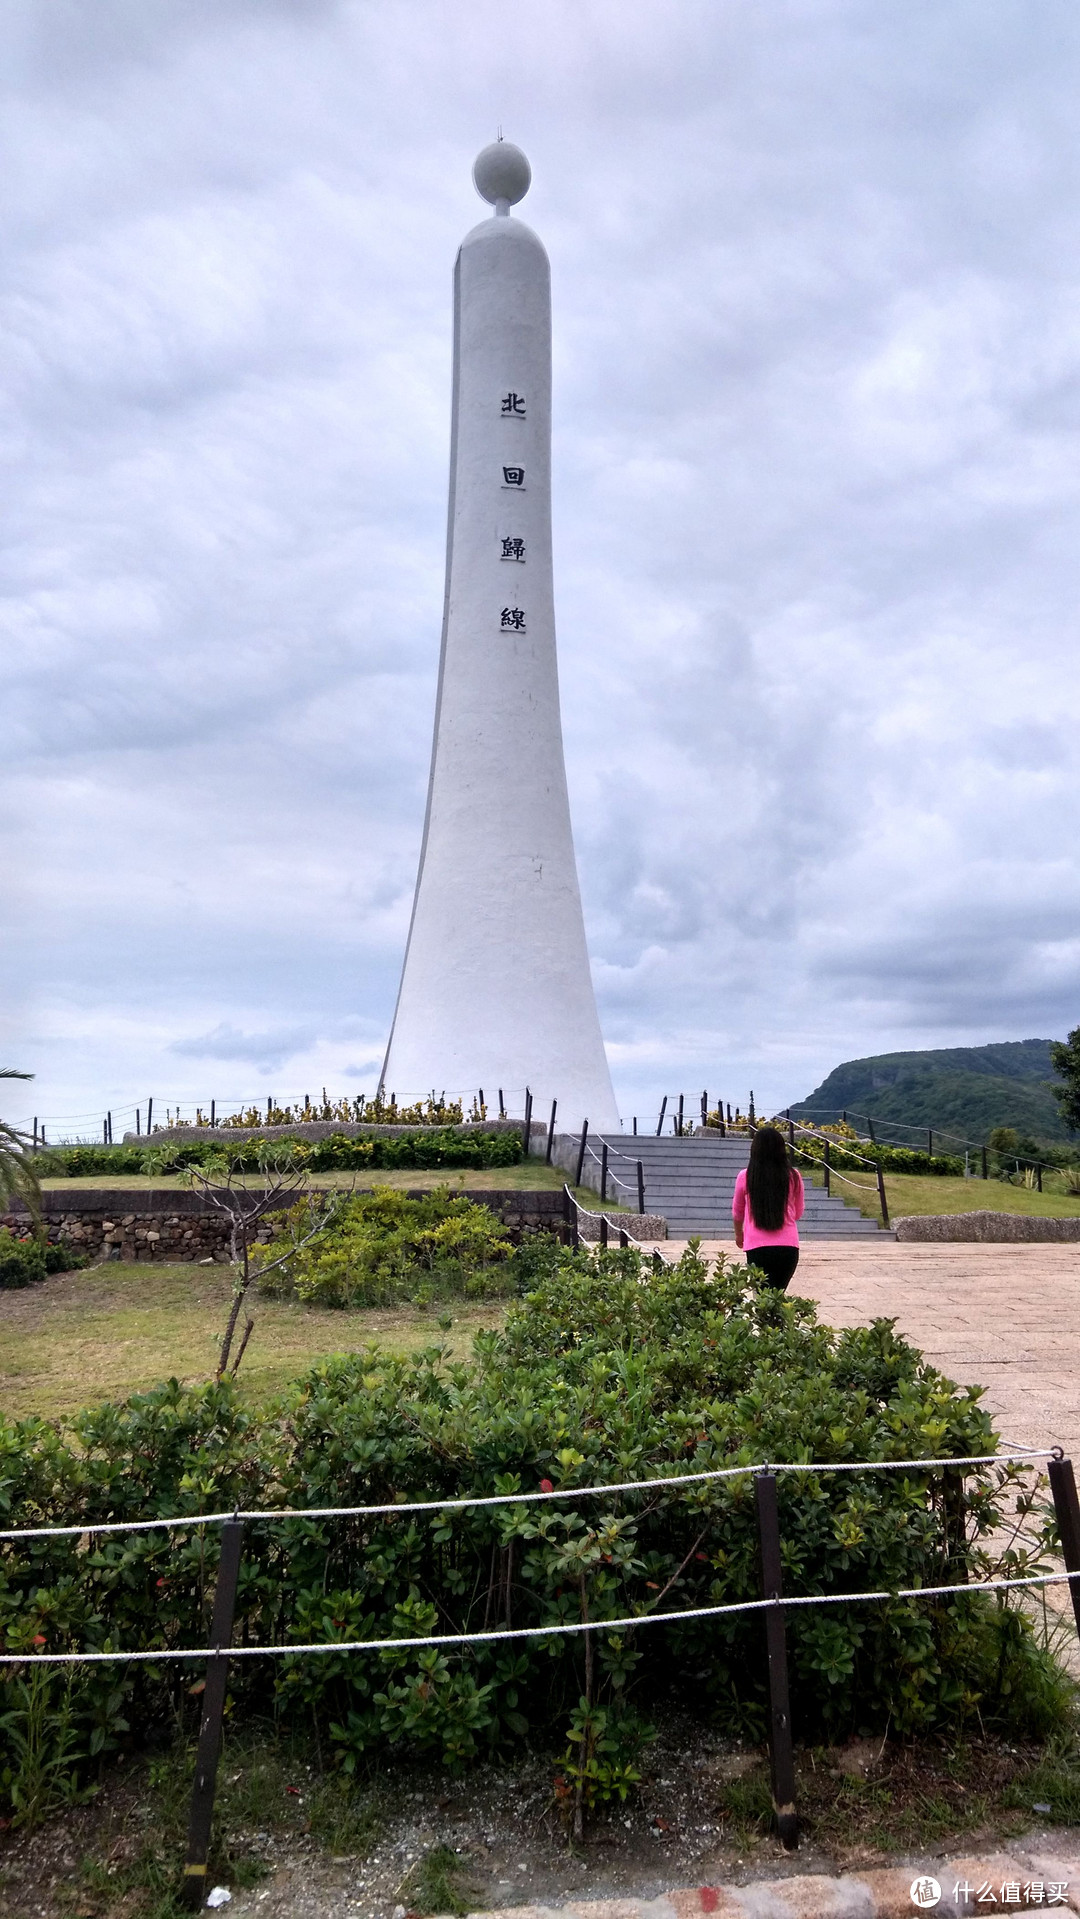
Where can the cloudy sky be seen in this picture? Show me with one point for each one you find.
(816, 271)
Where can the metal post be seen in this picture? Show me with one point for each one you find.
(502, 1107)
(551, 1132)
(1067, 1508)
(635, 1125)
(480, 1100)
(213, 1704)
(751, 1115)
(149, 1115)
(213, 1110)
(581, 1153)
(640, 1187)
(781, 1752)
(603, 1229)
(828, 1173)
(1038, 1176)
(930, 1142)
(623, 1241)
(791, 1132)
(526, 1139)
(984, 1171)
(35, 1135)
(660, 1121)
(603, 1171)
(679, 1128)
(882, 1198)
(704, 1109)
(870, 1124)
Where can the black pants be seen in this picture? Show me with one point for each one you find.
(778, 1263)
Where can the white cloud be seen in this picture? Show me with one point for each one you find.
(817, 409)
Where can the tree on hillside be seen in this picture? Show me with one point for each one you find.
(1065, 1059)
(17, 1177)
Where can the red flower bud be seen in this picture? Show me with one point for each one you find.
(546, 1486)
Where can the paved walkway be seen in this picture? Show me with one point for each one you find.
(1003, 1317)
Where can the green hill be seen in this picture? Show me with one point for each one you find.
(964, 1090)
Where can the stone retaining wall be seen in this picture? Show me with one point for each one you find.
(638, 1226)
(175, 1224)
(986, 1226)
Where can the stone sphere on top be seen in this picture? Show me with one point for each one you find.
(501, 172)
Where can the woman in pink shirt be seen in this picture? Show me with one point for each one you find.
(768, 1200)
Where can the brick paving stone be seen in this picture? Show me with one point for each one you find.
(1004, 1317)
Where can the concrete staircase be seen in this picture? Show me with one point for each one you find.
(692, 1181)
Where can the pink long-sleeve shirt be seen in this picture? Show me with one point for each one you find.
(787, 1234)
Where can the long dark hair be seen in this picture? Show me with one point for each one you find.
(768, 1179)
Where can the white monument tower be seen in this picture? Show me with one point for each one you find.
(495, 989)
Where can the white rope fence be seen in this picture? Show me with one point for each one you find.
(524, 1632)
(616, 1223)
(400, 1508)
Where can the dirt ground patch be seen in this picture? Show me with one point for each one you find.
(291, 1846)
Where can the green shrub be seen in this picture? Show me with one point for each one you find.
(605, 1372)
(428, 1148)
(22, 1261)
(384, 1247)
(60, 1257)
(891, 1159)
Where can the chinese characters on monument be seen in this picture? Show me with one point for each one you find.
(514, 403)
(513, 549)
(513, 476)
(513, 620)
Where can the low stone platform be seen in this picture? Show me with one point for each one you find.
(1025, 1878)
(987, 1228)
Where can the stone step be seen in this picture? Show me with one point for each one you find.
(691, 1183)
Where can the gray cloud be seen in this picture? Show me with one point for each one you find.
(816, 520)
(265, 1050)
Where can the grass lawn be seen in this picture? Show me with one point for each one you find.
(909, 1193)
(118, 1328)
(530, 1176)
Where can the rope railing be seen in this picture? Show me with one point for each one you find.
(401, 1508)
(832, 1172)
(1022, 1161)
(773, 1604)
(608, 1223)
(556, 1629)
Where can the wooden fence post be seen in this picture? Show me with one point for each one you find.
(581, 1153)
(882, 1198)
(213, 1708)
(781, 1750)
(1067, 1508)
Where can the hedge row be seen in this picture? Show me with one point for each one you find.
(604, 1372)
(427, 1149)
